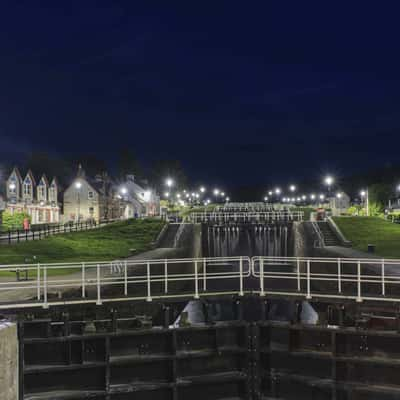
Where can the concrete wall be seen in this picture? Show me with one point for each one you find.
(304, 238)
(8, 361)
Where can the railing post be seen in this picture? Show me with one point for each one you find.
(148, 283)
(359, 299)
(38, 281)
(196, 281)
(383, 278)
(308, 280)
(45, 305)
(262, 292)
(339, 274)
(98, 302)
(165, 276)
(241, 276)
(126, 278)
(298, 276)
(83, 281)
(204, 275)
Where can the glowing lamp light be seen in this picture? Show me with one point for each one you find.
(147, 195)
(78, 185)
(169, 182)
(363, 193)
(124, 190)
(12, 186)
(202, 189)
(292, 188)
(329, 180)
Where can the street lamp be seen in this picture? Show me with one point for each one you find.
(365, 196)
(292, 188)
(339, 195)
(202, 189)
(278, 191)
(312, 197)
(169, 182)
(216, 192)
(329, 181)
(166, 194)
(78, 186)
(124, 190)
(265, 198)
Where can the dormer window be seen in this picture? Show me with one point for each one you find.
(27, 187)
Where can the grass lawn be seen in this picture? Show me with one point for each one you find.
(103, 244)
(371, 230)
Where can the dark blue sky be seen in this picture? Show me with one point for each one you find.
(239, 91)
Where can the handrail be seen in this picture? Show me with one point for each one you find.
(347, 279)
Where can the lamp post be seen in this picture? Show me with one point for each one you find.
(329, 181)
(365, 195)
(78, 186)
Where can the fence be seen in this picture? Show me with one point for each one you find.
(320, 278)
(39, 232)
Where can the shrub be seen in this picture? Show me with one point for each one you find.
(15, 220)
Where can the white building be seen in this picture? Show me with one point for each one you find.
(339, 204)
(138, 201)
(40, 200)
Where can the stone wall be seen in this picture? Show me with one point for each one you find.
(8, 361)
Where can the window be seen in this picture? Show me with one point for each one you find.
(91, 211)
(90, 195)
(27, 189)
(42, 191)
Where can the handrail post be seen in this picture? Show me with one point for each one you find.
(204, 275)
(148, 283)
(298, 276)
(383, 278)
(262, 292)
(98, 302)
(126, 278)
(359, 299)
(45, 305)
(165, 276)
(308, 280)
(339, 274)
(38, 281)
(241, 276)
(196, 281)
(83, 281)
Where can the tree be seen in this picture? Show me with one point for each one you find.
(128, 164)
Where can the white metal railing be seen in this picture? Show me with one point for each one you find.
(98, 282)
(334, 278)
(246, 216)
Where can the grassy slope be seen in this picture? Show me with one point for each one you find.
(371, 230)
(107, 243)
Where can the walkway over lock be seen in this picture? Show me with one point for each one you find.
(350, 280)
(246, 217)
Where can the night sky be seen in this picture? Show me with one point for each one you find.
(240, 92)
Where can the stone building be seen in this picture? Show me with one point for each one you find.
(39, 200)
(91, 199)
